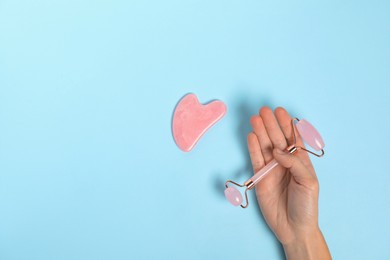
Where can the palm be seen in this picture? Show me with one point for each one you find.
(284, 203)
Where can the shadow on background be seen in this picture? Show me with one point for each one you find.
(243, 106)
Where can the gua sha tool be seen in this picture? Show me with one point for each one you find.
(191, 120)
(311, 137)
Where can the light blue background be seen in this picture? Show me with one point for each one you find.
(88, 166)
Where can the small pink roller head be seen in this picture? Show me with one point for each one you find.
(233, 196)
(310, 135)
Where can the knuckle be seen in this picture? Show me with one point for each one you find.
(313, 184)
(281, 144)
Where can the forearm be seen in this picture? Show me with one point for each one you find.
(310, 246)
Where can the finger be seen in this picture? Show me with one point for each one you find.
(271, 182)
(273, 129)
(262, 136)
(298, 170)
(284, 120)
(255, 152)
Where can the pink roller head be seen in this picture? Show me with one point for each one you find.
(233, 196)
(310, 135)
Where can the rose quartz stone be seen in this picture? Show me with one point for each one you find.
(310, 135)
(192, 119)
(233, 196)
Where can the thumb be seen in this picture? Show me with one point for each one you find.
(298, 170)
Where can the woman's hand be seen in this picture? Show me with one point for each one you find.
(288, 196)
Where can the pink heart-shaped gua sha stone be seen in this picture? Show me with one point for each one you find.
(191, 120)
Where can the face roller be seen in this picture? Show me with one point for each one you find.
(311, 137)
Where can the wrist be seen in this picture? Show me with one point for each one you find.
(306, 246)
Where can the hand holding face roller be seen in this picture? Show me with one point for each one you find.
(311, 137)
